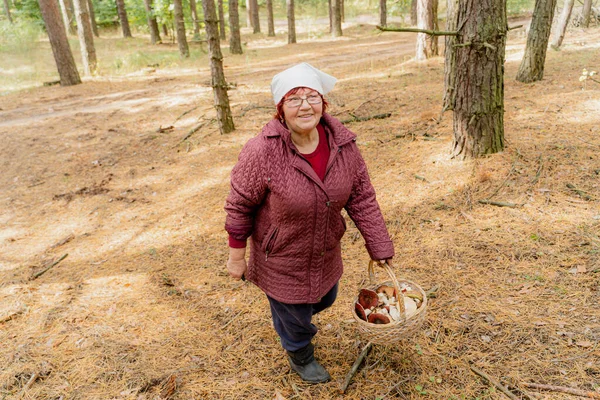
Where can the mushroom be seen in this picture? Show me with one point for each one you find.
(360, 311)
(410, 306)
(376, 318)
(390, 291)
(368, 298)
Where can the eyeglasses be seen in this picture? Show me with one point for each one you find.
(295, 101)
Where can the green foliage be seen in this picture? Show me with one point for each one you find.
(21, 36)
(28, 10)
(519, 7)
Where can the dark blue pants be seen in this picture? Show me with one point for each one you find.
(293, 321)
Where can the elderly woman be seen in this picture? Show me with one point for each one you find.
(288, 189)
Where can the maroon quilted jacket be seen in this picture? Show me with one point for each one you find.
(294, 219)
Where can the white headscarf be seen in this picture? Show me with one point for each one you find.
(301, 75)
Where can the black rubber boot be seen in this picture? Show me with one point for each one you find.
(304, 364)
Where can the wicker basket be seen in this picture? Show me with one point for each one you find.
(396, 330)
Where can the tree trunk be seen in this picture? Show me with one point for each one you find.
(235, 42)
(432, 42)
(65, 63)
(587, 10)
(255, 16)
(291, 22)
(195, 20)
(248, 14)
(330, 5)
(337, 18)
(86, 37)
(165, 30)
(561, 26)
(152, 24)
(184, 50)
(383, 12)
(123, 18)
(216, 68)
(67, 17)
(342, 12)
(93, 18)
(413, 12)
(270, 20)
(7, 11)
(450, 55)
(479, 77)
(423, 21)
(221, 21)
(532, 65)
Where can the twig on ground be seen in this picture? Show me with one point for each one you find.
(193, 130)
(361, 119)
(395, 387)
(563, 389)
(510, 28)
(355, 366)
(42, 272)
(255, 107)
(421, 178)
(29, 383)
(185, 113)
(498, 203)
(539, 170)
(10, 316)
(165, 129)
(494, 382)
(580, 192)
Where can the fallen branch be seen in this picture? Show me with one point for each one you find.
(165, 129)
(254, 107)
(361, 119)
(193, 130)
(427, 31)
(498, 203)
(580, 192)
(354, 368)
(494, 382)
(185, 113)
(563, 389)
(43, 271)
(515, 27)
(10, 316)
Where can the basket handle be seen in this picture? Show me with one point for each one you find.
(399, 295)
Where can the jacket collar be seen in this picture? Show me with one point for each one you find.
(338, 132)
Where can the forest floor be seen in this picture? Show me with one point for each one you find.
(108, 173)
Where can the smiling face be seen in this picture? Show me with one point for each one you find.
(304, 118)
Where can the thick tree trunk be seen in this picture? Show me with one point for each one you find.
(7, 11)
(342, 12)
(413, 12)
(248, 14)
(152, 24)
(184, 49)
(86, 37)
(165, 30)
(216, 68)
(255, 16)
(67, 17)
(432, 41)
(450, 55)
(291, 22)
(93, 18)
(383, 12)
(532, 65)
(587, 10)
(235, 42)
(479, 78)
(336, 13)
(561, 26)
(221, 20)
(195, 20)
(423, 21)
(123, 18)
(65, 63)
(270, 20)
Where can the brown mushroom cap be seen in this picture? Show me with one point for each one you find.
(368, 298)
(360, 311)
(376, 318)
(389, 291)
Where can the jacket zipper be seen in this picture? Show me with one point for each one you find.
(270, 243)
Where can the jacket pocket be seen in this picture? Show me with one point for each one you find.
(269, 242)
(336, 233)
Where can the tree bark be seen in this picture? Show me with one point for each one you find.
(587, 10)
(432, 41)
(450, 55)
(216, 68)
(221, 20)
(86, 37)
(383, 12)
(184, 49)
(235, 43)
(67, 16)
(342, 12)
(65, 63)
(7, 11)
(291, 22)
(336, 13)
(255, 16)
(413, 12)
(248, 14)
(93, 18)
(270, 20)
(478, 101)
(561, 26)
(423, 21)
(165, 30)
(152, 24)
(123, 18)
(330, 5)
(195, 20)
(532, 65)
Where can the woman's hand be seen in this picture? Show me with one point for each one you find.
(236, 264)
